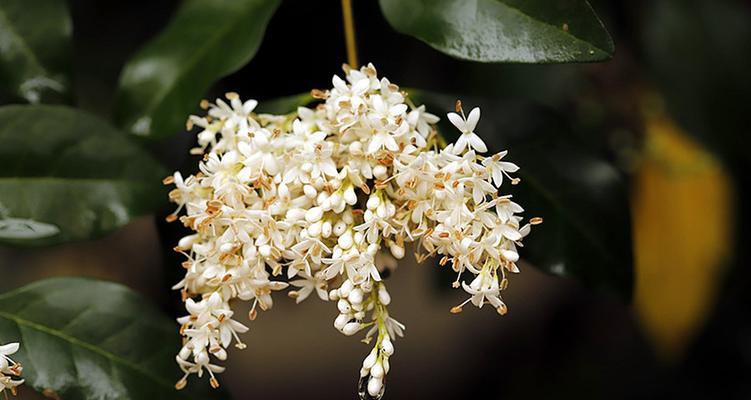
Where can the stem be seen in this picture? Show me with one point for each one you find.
(349, 33)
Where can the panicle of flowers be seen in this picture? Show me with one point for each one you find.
(328, 198)
(10, 370)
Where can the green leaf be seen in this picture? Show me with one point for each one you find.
(524, 31)
(206, 40)
(88, 339)
(68, 175)
(582, 198)
(35, 45)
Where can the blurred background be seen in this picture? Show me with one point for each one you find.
(669, 111)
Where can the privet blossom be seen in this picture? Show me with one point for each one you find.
(325, 200)
(9, 370)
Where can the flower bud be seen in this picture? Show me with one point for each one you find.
(334, 294)
(344, 306)
(373, 202)
(310, 191)
(397, 251)
(387, 346)
(377, 370)
(340, 321)
(355, 296)
(349, 196)
(326, 229)
(295, 214)
(335, 201)
(339, 228)
(345, 241)
(347, 218)
(383, 296)
(374, 386)
(314, 230)
(370, 360)
(314, 214)
(346, 287)
(355, 147)
(382, 211)
(283, 191)
(380, 171)
(351, 328)
(226, 247)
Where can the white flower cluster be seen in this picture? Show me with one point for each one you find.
(9, 369)
(329, 196)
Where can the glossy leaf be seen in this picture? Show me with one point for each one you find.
(35, 44)
(525, 31)
(68, 175)
(206, 40)
(85, 339)
(582, 198)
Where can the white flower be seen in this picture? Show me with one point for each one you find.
(466, 126)
(307, 285)
(9, 369)
(422, 121)
(333, 194)
(498, 168)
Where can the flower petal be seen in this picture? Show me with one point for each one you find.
(458, 121)
(472, 119)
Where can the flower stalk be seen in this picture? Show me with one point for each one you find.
(349, 33)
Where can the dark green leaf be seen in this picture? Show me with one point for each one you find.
(68, 175)
(35, 43)
(87, 339)
(582, 198)
(527, 31)
(206, 40)
(700, 55)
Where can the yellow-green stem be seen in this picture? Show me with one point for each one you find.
(349, 33)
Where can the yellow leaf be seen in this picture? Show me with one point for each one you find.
(682, 210)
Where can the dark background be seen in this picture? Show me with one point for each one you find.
(560, 339)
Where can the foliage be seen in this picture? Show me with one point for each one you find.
(526, 31)
(86, 339)
(72, 176)
(69, 176)
(35, 44)
(205, 41)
